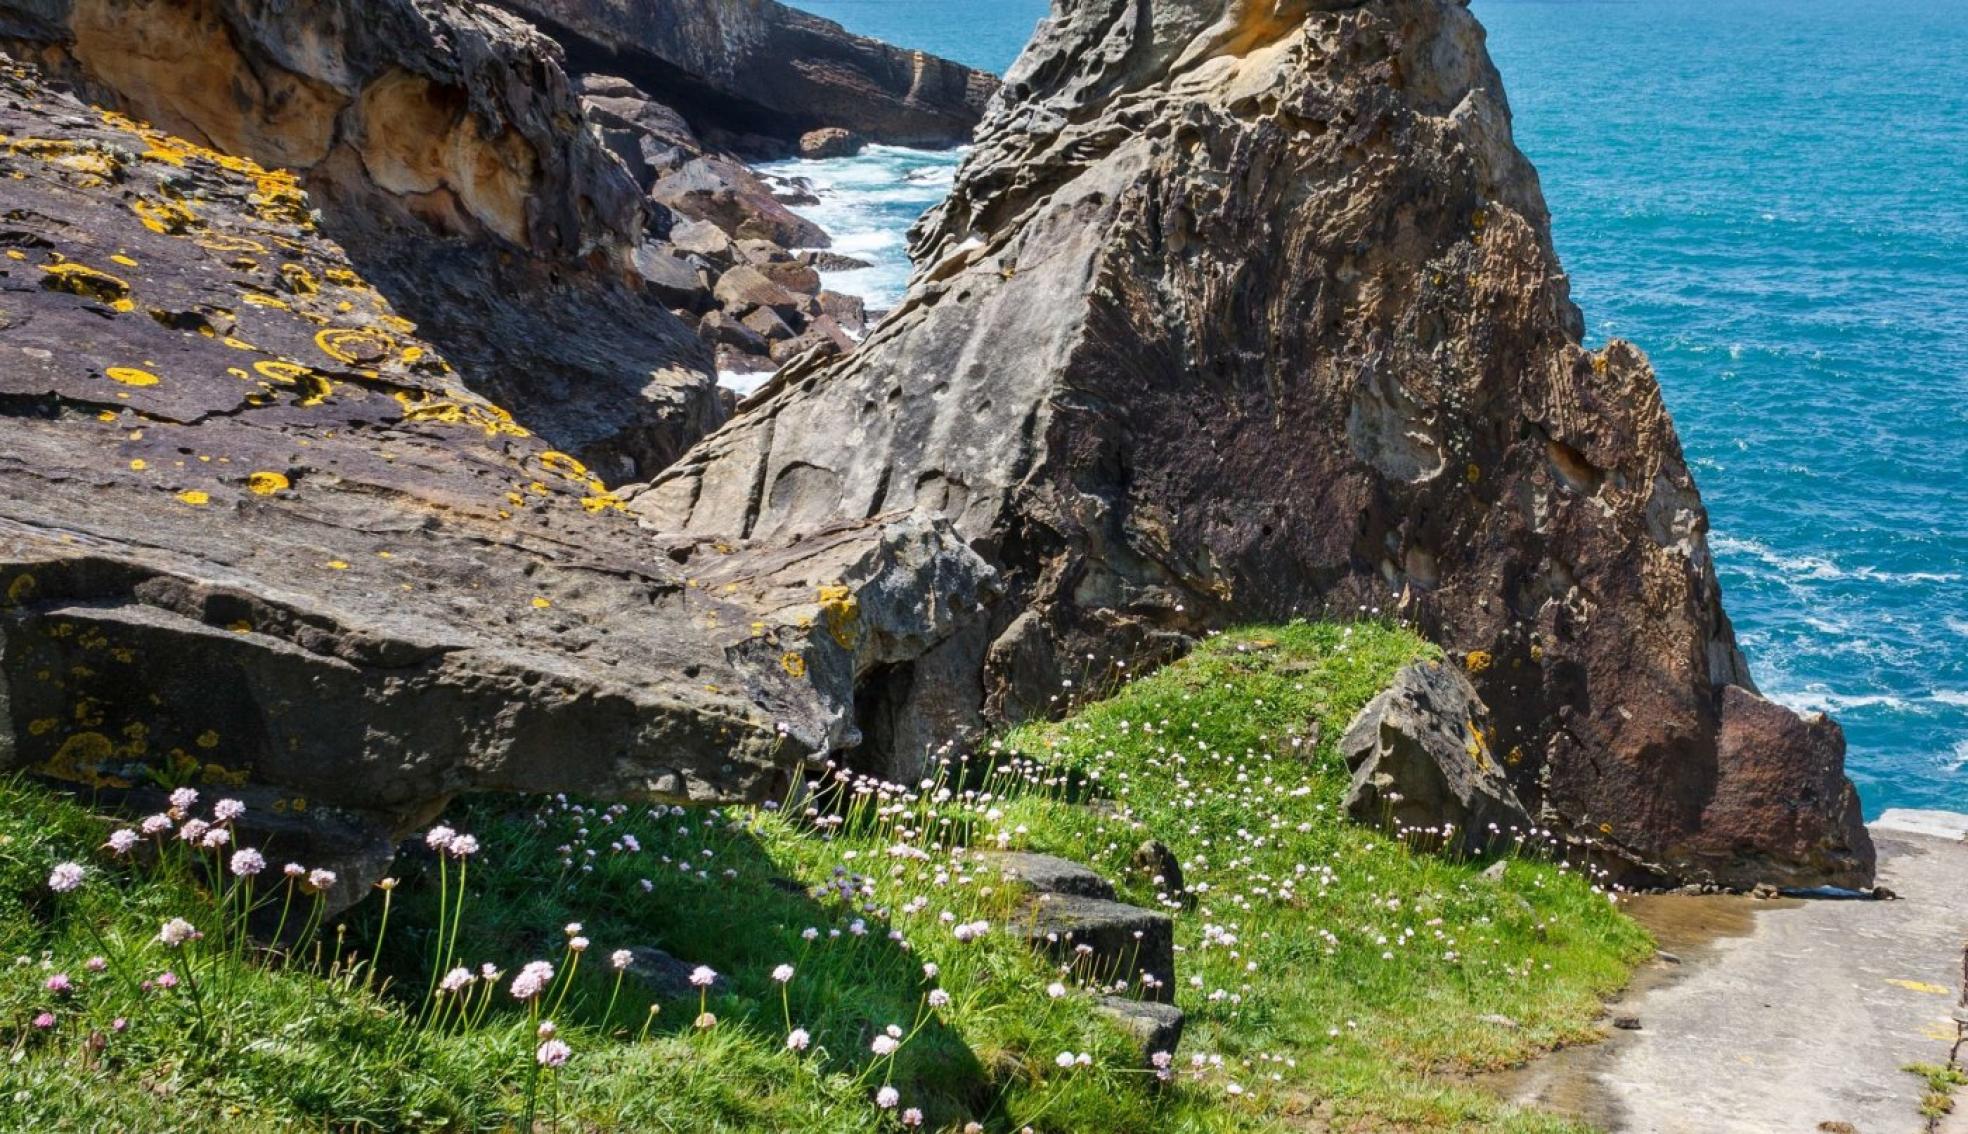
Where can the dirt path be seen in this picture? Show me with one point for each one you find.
(1782, 1017)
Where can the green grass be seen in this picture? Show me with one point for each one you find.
(1942, 1081)
(1365, 980)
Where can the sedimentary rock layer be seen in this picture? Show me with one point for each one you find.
(1247, 309)
(758, 68)
(444, 146)
(255, 531)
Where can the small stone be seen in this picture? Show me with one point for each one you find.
(1627, 1023)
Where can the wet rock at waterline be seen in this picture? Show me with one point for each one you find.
(1240, 312)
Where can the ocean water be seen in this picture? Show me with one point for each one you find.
(1771, 198)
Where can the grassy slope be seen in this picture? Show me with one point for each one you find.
(1361, 978)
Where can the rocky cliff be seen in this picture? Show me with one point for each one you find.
(255, 533)
(442, 143)
(1244, 309)
(761, 74)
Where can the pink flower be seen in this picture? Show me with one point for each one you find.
(155, 825)
(65, 877)
(226, 810)
(193, 830)
(703, 976)
(59, 984)
(95, 964)
(553, 1053)
(45, 1021)
(621, 959)
(577, 945)
(532, 980)
(320, 879)
(215, 838)
(294, 870)
(247, 862)
(797, 1039)
(456, 979)
(463, 846)
(123, 841)
(184, 798)
(177, 931)
(887, 1097)
(119, 1024)
(167, 979)
(439, 838)
(783, 974)
(912, 1117)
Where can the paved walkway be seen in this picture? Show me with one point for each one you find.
(1783, 1017)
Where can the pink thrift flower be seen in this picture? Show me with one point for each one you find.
(123, 841)
(554, 1053)
(59, 984)
(45, 1021)
(65, 877)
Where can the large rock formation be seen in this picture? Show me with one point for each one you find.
(1243, 309)
(443, 144)
(255, 532)
(759, 72)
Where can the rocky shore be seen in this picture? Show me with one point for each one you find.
(359, 363)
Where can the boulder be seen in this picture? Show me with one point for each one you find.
(768, 325)
(702, 238)
(671, 278)
(1045, 874)
(721, 190)
(791, 275)
(1103, 942)
(830, 142)
(1232, 318)
(436, 143)
(1159, 867)
(723, 329)
(822, 339)
(257, 535)
(1156, 1028)
(744, 288)
(825, 261)
(757, 74)
(1421, 758)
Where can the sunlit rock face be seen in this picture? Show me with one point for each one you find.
(444, 147)
(1247, 309)
(256, 533)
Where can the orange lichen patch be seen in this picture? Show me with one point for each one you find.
(540, 603)
(195, 498)
(131, 376)
(458, 410)
(351, 345)
(80, 759)
(298, 280)
(87, 282)
(842, 610)
(558, 462)
(97, 165)
(1477, 661)
(313, 387)
(280, 199)
(602, 501)
(267, 483)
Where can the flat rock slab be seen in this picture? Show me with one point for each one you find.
(1805, 1016)
(1125, 942)
(1047, 874)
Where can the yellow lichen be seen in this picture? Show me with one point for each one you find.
(336, 565)
(195, 498)
(265, 483)
(166, 218)
(540, 603)
(1476, 661)
(556, 461)
(842, 610)
(351, 345)
(298, 279)
(125, 261)
(131, 376)
(21, 589)
(139, 465)
(313, 387)
(87, 282)
(793, 664)
(459, 409)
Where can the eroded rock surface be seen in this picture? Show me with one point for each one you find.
(1422, 760)
(761, 74)
(443, 144)
(1249, 310)
(256, 533)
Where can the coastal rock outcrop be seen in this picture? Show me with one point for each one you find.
(1249, 310)
(441, 142)
(257, 535)
(757, 75)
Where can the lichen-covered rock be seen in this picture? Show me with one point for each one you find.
(442, 143)
(255, 532)
(759, 71)
(1242, 311)
(1421, 760)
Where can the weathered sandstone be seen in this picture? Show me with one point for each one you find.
(1247, 309)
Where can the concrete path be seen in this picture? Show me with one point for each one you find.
(1786, 1016)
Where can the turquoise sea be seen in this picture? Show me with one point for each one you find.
(1771, 198)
